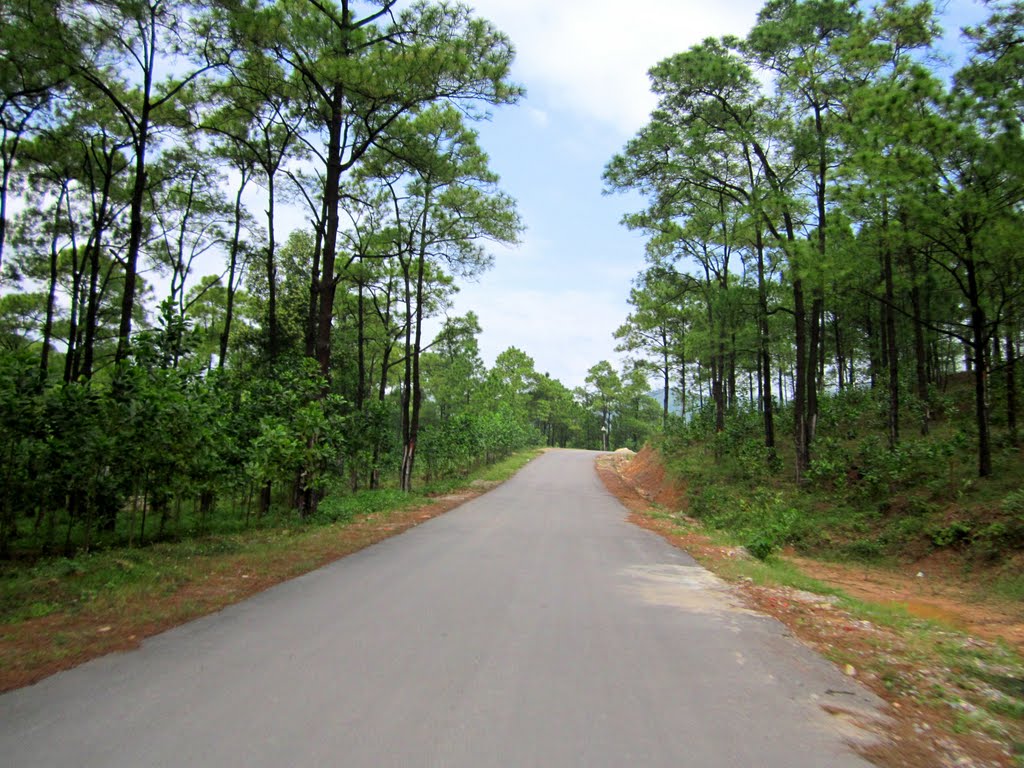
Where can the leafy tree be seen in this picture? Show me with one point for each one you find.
(452, 369)
(606, 388)
(123, 48)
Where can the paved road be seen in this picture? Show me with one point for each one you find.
(530, 627)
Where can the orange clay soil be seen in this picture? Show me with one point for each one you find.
(921, 731)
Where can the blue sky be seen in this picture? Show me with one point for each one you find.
(561, 293)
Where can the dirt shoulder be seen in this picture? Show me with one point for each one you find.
(34, 648)
(954, 688)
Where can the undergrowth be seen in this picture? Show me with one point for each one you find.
(859, 500)
(118, 574)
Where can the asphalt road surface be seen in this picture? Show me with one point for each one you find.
(533, 626)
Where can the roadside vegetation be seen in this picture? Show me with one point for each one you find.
(833, 304)
(934, 626)
(834, 293)
(178, 359)
(59, 612)
(861, 501)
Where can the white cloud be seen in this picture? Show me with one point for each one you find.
(565, 331)
(592, 56)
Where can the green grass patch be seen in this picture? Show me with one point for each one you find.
(338, 508)
(498, 472)
(121, 575)
(1009, 586)
(504, 469)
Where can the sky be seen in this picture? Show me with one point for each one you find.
(560, 294)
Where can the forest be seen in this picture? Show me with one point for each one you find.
(834, 283)
(832, 221)
(172, 351)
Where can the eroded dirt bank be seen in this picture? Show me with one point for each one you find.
(934, 718)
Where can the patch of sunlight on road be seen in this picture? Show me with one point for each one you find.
(687, 587)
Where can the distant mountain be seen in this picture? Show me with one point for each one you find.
(675, 405)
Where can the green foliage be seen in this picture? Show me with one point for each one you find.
(761, 520)
(340, 508)
(956, 533)
(860, 499)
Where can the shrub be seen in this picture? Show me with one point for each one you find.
(956, 533)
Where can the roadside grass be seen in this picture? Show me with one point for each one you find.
(1009, 585)
(934, 672)
(58, 612)
(496, 473)
(862, 503)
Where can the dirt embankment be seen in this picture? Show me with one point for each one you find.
(925, 730)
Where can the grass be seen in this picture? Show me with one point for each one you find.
(864, 504)
(60, 611)
(962, 686)
(1009, 586)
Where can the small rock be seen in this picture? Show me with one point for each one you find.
(850, 670)
(920, 574)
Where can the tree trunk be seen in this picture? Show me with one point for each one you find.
(360, 348)
(920, 357)
(51, 295)
(889, 314)
(814, 379)
(732, 371)
(682, 386)
(309, 332)
(409, 454)
(800, 427)
(407, 381)
(1011, 384)
(764, 383)
(93, 252)
(665, 370)
(273, 332)
(131, 263)
(978, 350)
(266, 497)
(840, 352)
(332, 189)
(229, 306)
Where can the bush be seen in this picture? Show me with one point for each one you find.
(763, 523)
(338, 508)
(956, 533)
(830, 465)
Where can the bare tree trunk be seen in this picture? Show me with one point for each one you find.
(1011, 384)
(273, 332)
(328, 282)
(131, 264)
(51, 295)
(764, 382)
(665, 371)
(229, 307)
(920, 358)
(360, 347)
(978, 350)
(416, 393)
(889, 313)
